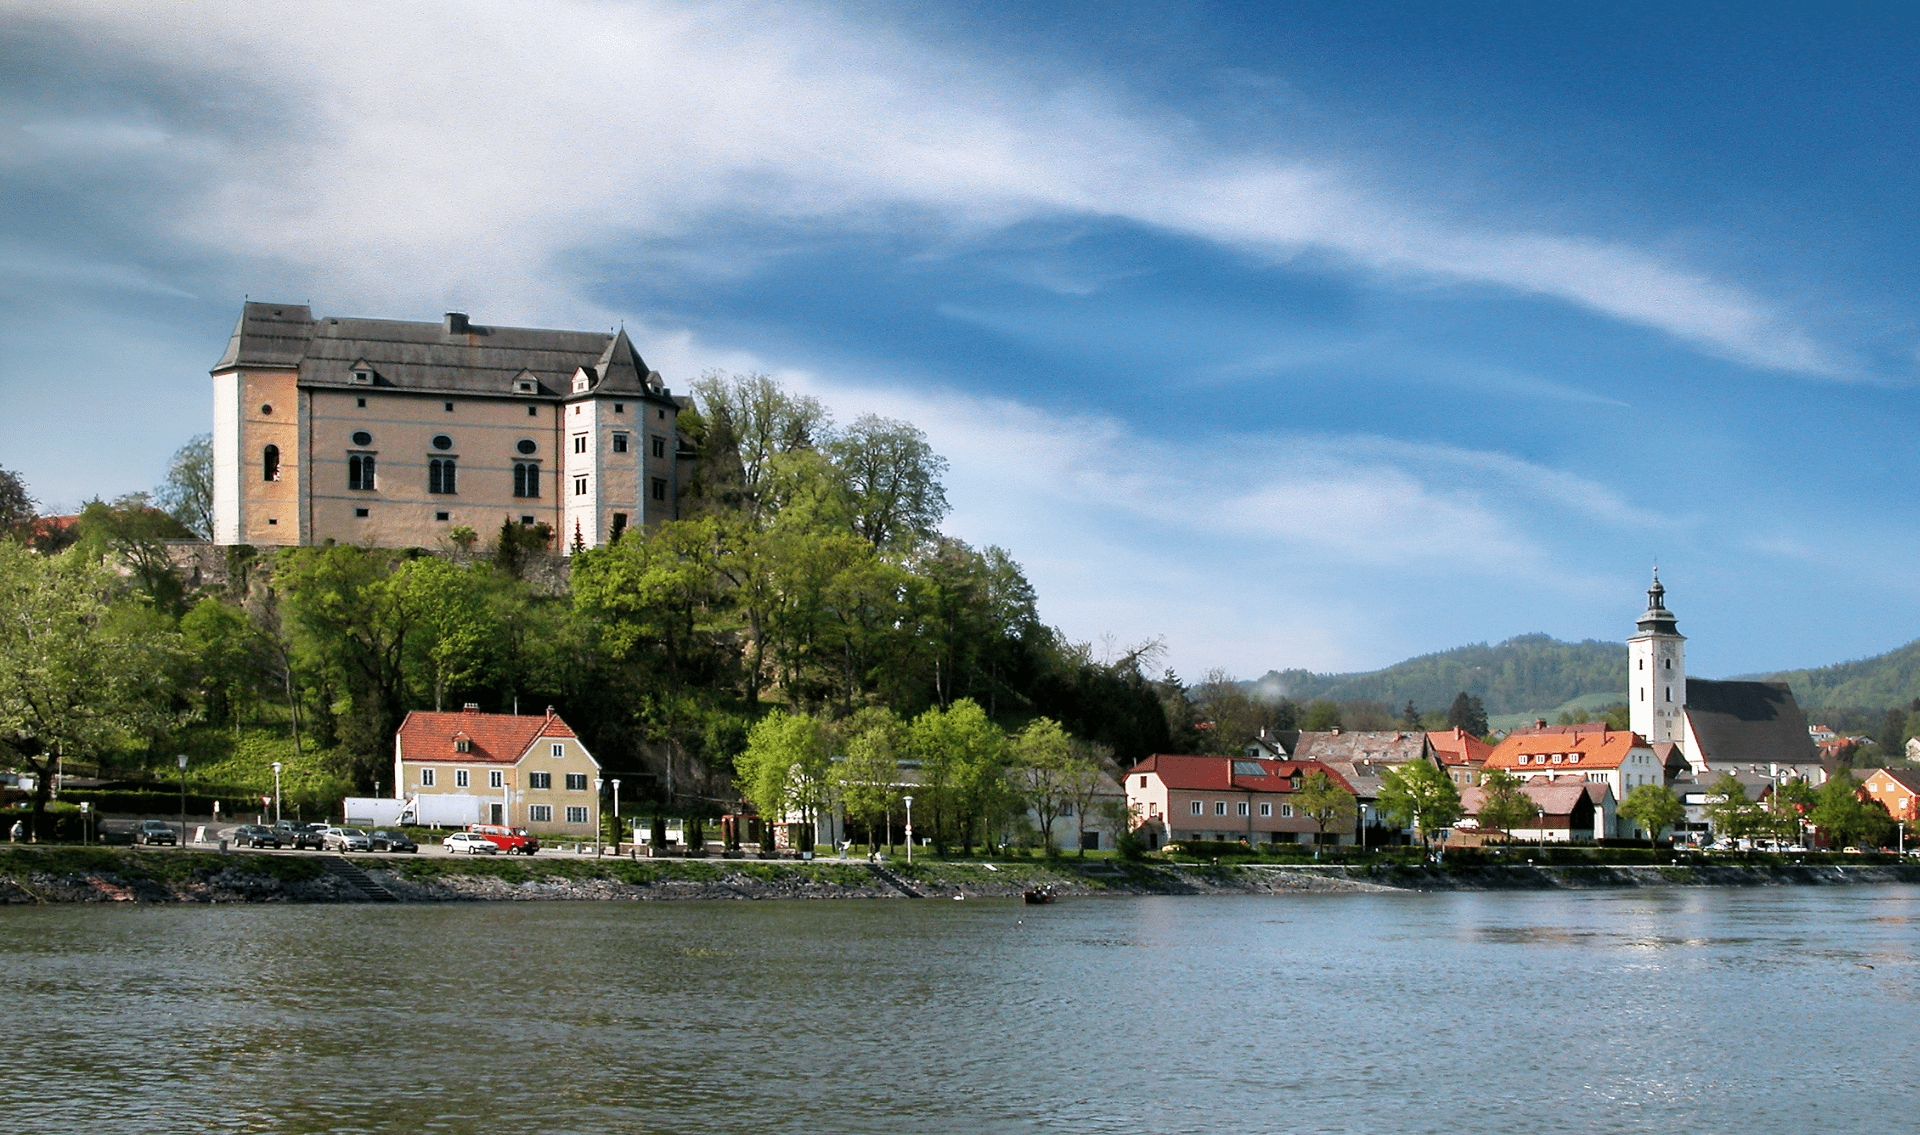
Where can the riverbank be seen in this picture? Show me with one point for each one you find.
(34, 875)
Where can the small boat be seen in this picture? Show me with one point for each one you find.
(1040, 896)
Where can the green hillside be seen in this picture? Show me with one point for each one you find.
(1529, 674)
(1890, 679)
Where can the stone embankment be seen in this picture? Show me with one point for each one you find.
(75, 875)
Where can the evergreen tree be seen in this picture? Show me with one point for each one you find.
(1468, 713)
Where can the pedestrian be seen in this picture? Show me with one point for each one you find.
(18, 830)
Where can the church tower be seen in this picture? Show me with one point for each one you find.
(1657, 672)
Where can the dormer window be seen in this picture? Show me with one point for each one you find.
(363, 378)
(582, 381)
(462, 745)
(525, 386)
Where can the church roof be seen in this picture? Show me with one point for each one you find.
(1753, 723)
(453, 356)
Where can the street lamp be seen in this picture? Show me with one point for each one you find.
(909, 801)
(276, 794)
(183, 799)
(598, 785)
(616, 816)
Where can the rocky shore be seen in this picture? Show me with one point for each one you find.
(100, 875)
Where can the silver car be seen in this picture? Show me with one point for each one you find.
(346, 839)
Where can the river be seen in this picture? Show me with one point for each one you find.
(1750, 1011)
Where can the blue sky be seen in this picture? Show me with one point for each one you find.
(1304, 335)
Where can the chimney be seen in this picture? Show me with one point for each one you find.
(1539, 723)
(471, 707)
(456, 323)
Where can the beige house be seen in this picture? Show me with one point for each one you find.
(1235, 799)
(393, 434)
(528, 770)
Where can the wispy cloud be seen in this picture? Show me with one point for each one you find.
(544, 129)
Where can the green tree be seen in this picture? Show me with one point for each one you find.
(1421, 796)
(1504, 803)
(1654, 808)
(869, 771)
(1846, 817)
(892, 478)
(1468, 713)
(1043, 761)
(786, 771)
(1322, 800)
(187, 493)
(454, 632)
(963, 766)
(82, 672)
(1321, 715)
(229, 659)
(746, 422)
(131, 532)
(17, 506)
(1733, 815)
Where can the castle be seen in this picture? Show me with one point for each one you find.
(388, 433)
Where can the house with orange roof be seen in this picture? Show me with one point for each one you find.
(1618, 758)
(1250, 799)
(1896, 788)
(522, 770)
(1460, 754)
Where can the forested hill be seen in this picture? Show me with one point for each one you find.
(1890, 679)
(1528, 674)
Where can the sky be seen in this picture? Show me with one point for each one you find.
(1310, 335)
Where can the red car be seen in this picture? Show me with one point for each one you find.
(509, 840)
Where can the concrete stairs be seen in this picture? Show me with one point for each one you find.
(360, 880)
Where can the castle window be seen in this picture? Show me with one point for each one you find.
(527, 521)
(527, 446)
(659, 446)
(360, 471)
(266, 409)
(619, 443)
(579, 443)
(440, 475)
(362, 437)
(526, 479)
(270, 463)
(447, 406)
(532, 411)
(579, 486)
(619, 525)
(619, 407)
(443, 516)
(659, 488)
(360, 402)
(361, 513)
(442, 441)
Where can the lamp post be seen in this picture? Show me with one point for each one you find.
(616, 816)
(598, 784)
(909, 801)
(276, 794)
(183, 799)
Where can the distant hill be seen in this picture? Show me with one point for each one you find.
(1883, 681)
(1529, 674)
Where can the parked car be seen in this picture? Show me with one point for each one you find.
(114, 835)
(156, 831)
(386, 839)
(298, 835)
(509, 840)
(345, 839)
(254, 835)
(471, 844)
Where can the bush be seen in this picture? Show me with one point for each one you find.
(1131, 847)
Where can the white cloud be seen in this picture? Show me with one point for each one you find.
(523, 131)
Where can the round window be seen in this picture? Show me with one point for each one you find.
(362, 437)
(266, 409)
(527, 446)
(442, 441)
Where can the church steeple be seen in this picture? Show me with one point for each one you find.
(1657, 671)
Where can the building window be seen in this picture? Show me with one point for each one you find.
(619, 525)
(1219, 807)
(540, 813)
(361, 513)
(360, 471)
(460, 778)
(442, 442)
(426, 778)
(1266, 809)
(1669, 664)
(659, 446)
(619, 443)
(576, 782)
(1669, 693)
(559, 750)
(1066, 810)
(659, 488)
(270, 463)
(1143, 782)
(619, 407)
(462, 745)
(360, 402)
(579, 443)
(576, 815)
(447, 406)
(579, 486)
(443, 516)
(1241, 808)
(539, 780)
(526, 522)
(1194, 807)
(527, 447)
(440, 475)
(496, 779)
(662, 414)
(532, 410)
(362, 438)
(266, 409)
(526, 478)
(1286, 811)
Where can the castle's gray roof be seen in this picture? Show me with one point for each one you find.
(453, 356)
(1749, 723)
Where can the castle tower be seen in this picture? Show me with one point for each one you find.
(1657, 672)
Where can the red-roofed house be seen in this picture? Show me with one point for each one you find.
(1571, 807)
(1898, 789)
(1617, 758)
(525, 770)
(1224, 798)
(1460, 753)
